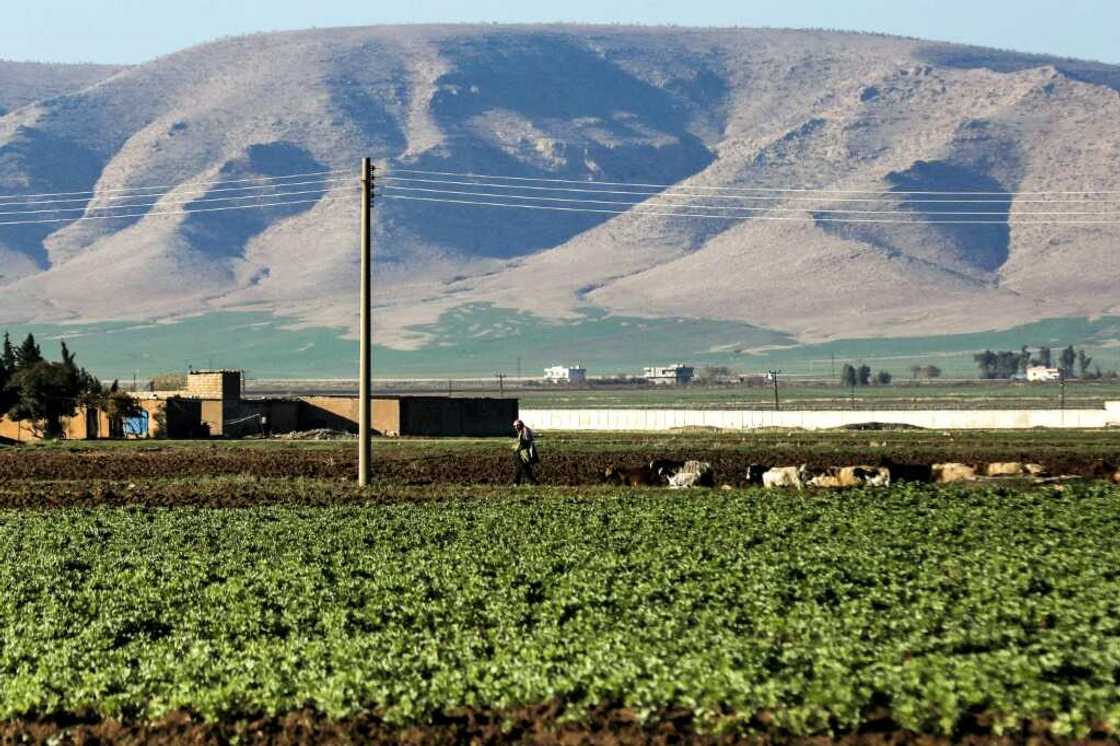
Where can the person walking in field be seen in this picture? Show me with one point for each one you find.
(524, 454)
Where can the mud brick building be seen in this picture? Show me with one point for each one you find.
(213, 405)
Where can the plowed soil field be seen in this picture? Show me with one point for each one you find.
(568, 462)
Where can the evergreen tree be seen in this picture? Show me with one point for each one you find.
(882, 378)
(28, 353)
(1083, 363)
(864, 374)
(848, 376)
(8, 356)
(5, 380)
(1067, 359)
(1044, 357)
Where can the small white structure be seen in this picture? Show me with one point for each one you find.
(669, 374)
(566, 374)
(1043, 374)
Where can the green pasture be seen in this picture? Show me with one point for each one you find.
(480, 340)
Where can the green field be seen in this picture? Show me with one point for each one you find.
(796, 613)
(476, 340)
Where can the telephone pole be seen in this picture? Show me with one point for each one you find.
(774, 377)
(365, 353)
(501, 383)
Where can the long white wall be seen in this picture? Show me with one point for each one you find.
(669, 419)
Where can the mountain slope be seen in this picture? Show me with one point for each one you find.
(23, 83)
(703, 109)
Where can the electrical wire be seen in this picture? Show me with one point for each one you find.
(692, 206)
(638, 211)
(678, 191)
(172, 212)
(468, 174)
(173, 186)
(190, 200)
(156, 195)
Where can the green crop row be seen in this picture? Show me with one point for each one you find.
(813, 608)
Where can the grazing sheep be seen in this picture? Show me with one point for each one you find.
(692, 474)
(755, 472)
(853, 476)
(665, 468)
(953, 472)
(631, 476)
(1004, 469)
(786, 476)
(908, 472)
(871, 476)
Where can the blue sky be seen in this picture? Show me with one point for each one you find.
(129, 31)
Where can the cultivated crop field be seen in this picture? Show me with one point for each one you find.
(277, 606)
(569, 458)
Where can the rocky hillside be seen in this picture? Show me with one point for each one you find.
(698, 109)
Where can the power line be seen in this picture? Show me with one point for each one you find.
(173, 212)
(741, 189)
(732, 207)
(638, 211)
(86, 200)
(678, 191)
(173, 186)
(190, 200)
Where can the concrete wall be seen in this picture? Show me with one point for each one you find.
(668, 419)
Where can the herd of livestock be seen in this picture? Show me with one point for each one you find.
(682, 474)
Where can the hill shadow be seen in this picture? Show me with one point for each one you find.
(224, 234)
(589, 120)
(32, 162)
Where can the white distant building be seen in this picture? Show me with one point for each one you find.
(678, 374)
(1042, 373)
(566, 374)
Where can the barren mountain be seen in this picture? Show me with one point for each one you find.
(705, 109)
(23, 83)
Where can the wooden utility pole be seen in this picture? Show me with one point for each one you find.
(774, 378)
(365, 343)
(501, 383)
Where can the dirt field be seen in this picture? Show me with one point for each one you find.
(542, 725)
(570, 460)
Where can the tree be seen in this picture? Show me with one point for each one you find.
(5, 381)
(1044, 357)
(848, 376)
(931, 372)
(864, 374)
(713, 374)
(28, 353)
(1083, 363)
(1066, 361)
(882, 378)
(1007, 364)
(45, 393)
(986, 362)
(1024, 360)
(8, 356)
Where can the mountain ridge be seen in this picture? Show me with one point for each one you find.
(699, 108)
